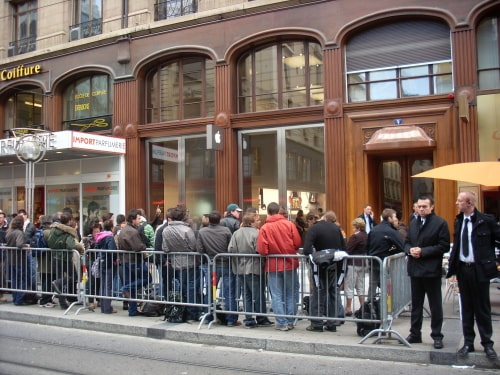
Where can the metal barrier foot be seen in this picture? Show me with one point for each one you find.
(385, 335)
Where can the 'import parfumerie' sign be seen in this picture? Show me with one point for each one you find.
(70, 140)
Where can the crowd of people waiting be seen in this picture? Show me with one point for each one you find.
(278, 241)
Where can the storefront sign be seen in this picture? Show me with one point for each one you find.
(70, 139)
(8, 146)
(164, 153)
(20, 71)
(96, 142)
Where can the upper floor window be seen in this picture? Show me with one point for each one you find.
(25, 21)
(24, 109)
(180, 89)
(174, 8)
(398, 60)
(88, 104)
(280, 76)
(87, 19)
(488, 53)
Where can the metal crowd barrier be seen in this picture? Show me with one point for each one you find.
(214, 289)
(394, 297)
(30, 272)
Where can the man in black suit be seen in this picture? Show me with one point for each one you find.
(472, 260)
(367, 217)
(427, 241)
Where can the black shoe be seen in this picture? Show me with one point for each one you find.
(414, 339)
(490, 353)
(265, 323)
(438, 344)
(312, 328)
(465, 350)
(330, 328)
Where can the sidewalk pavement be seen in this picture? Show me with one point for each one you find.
(343, 343)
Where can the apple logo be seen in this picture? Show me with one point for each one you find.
(217, 137)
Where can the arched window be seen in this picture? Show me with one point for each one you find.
(88, 104)
(400, 59)
(488, 53)
(24, 109)
(180, 89)
(280, 76)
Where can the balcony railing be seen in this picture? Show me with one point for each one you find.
(21, 46)
(85, 29)
(175, 8)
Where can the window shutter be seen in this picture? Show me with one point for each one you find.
(398, 44)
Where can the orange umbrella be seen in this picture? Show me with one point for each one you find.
(483, 173)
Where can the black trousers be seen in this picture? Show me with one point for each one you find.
(430, 286)
(475, 303)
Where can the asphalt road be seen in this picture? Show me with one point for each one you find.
(27, 349)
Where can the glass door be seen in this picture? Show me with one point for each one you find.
(396, 188)
(284, 165)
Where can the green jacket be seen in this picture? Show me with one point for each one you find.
(63, 237)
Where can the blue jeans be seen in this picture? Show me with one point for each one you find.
(283, 293)
(18, 279)
(228, 294)
(107, 273)
(135, 275)
(189, 284)
(254, 296)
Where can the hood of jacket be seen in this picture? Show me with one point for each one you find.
(65, 228)
(100, 235)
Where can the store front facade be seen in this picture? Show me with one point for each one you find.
(82, 172)
(299, 106)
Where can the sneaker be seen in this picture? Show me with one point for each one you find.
(234, 324)
(49, 305)
(312, 328)
(290, 326)
(265, 323)
(331, 328)
(251, 325)
(280, 327)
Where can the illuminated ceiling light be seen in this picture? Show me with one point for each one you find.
(33, 104)
(299, 61)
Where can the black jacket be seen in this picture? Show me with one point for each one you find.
(384, 240)
(485, 230)
(434, 240)
(323, 235)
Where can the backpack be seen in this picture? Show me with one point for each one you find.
(175, 313)
(369, 310)
(38, 242)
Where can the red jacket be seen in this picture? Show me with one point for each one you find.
(279, 236)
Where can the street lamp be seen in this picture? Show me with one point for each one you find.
(30, 149)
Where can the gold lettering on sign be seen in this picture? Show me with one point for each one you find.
(82, 107)
(19, 72)
(97, 123)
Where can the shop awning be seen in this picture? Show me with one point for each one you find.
(400, 136)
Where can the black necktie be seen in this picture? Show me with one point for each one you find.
(465, 239)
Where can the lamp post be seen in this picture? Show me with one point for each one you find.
(30, 149)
